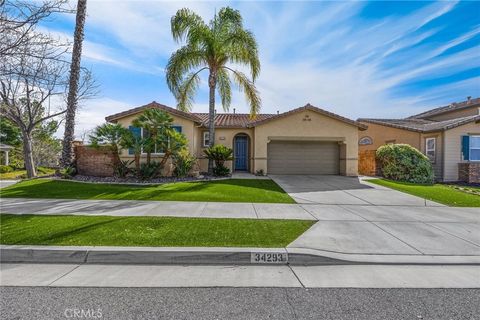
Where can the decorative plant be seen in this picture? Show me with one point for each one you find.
(219, 154)
(109, 135)
(68, 172)
(260, 172)
(183, 162)
(136, 143)
(122, 168)
(149, 170)
(403, 162)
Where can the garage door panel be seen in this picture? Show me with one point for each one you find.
(298, 157)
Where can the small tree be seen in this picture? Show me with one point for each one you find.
(156, 125)
(109, 135)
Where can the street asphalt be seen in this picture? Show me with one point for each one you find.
(238, 303)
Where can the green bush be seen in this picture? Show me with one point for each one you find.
(149, 170)
(68, 172)
(402, 162)
(5, 169)
(221, 171)
(219, 154)
(183, 162)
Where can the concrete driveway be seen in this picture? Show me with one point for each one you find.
(341, 190)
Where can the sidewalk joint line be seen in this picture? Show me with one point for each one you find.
(65, 274)
(255, 210)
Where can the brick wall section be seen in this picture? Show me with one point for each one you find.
(469, 172)
(94, 162)
(367, 163)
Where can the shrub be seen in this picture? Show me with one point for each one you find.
(221, 171)
(183, 162)
(260, 172)
(149, 170)
(43, 170)
(5, 169)
(121, 169)
(67, 172)
(402, 162)
(219, 153)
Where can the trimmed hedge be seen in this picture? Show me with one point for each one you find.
(402, 162)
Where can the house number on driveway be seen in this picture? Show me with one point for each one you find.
(269, 257)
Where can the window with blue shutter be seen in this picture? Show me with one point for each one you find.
(474, 148)
(137, 133)
(177, 128)
(465, 147)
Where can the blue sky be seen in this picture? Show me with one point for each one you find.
(358, 59)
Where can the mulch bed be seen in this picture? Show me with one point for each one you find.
(134, 180)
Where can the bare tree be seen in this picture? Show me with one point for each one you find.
(18, 20)
(72, 98)
(28, 82)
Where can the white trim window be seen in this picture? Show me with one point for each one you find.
(206, 139)
(474, 145)
(430, 146)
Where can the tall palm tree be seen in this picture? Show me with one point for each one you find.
(72, 98)
(214, 47)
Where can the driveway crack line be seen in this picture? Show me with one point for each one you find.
(296, 276)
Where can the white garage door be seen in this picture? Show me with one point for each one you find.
(302, 157)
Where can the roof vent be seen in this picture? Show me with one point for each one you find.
(233, 110)
(469, 98)
(278, 112)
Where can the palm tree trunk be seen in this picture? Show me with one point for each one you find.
(212, 82)
(28, 154)
(72, 99)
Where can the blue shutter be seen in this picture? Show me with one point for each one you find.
(466, 147)
(177, 128)
(137, 133)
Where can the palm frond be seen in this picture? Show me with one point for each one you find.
(184, 22)
(186, 91)
(183, 61)
(251, 93)
(224, 88)
(241, 47)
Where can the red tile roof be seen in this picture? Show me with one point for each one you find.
(230, 120)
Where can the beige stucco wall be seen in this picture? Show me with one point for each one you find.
(298, 127)
(473, 110)
(382, 134)
(453, 149)
(437, 164)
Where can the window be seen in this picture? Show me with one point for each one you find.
(471, 148)
(365, 141)
(206, 138)
(430, 144)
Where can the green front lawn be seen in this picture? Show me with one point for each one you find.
(231, 190)
(437, 192)
(148, 231)
(19, 174)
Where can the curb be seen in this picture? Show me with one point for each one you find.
(212, 256)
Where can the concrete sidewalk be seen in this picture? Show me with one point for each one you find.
(356, 276)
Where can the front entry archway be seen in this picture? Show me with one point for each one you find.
(240, 152)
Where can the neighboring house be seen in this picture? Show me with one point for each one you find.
(449, 136)
(306, 140)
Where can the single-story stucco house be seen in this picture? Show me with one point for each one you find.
(448, 135)
(306, 140)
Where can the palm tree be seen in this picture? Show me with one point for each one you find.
(212, 48)
(72, 98)
(157, 124)
(109, 135)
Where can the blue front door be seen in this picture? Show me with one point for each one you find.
(241, 152)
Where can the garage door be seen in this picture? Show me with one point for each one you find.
(299, 157)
